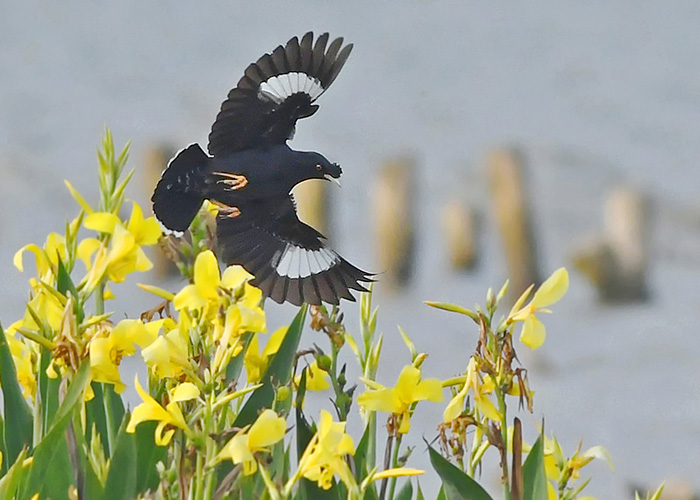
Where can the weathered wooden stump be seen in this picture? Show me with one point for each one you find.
(511, 205)
(394, 220)
(313, 204)
(459, 229)
(616, 262)
(155, 159)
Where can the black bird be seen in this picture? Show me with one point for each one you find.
(250, 172)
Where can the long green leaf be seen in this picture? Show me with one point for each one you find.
(10, 482)
(406, 491)
(18, 416)
(278, 373)
(457, 484)
(48, 389)
(51, 464)
(148, 454)
(534, 475)
(122, 476)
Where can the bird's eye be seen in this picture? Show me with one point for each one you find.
(319, 167)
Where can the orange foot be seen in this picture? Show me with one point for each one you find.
(232, 181)
(227, 210)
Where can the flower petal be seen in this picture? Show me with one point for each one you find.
(533, 332)
(267, 430)
(552, 290)
(184, 392)
(104, 222)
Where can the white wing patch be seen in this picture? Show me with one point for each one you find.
(299, 262)
(279, 87)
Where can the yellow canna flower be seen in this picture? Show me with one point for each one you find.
(552, 290)
(24, 358)
(46, 258)
(268, 429)
(145, 231)
(170, 416)
(481, 400)
(324, 457)
(168, 355)
(106, 352)
(256, 362)
(47, 306)
(124, 254)
(316, 379)
(204, 292)
(398, 400)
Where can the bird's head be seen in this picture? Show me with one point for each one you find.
(316, 166)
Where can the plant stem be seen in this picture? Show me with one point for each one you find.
(504, 438)
(100, 299)
(387, 463)
(395, 463)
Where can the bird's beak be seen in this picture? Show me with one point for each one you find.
(331, 178)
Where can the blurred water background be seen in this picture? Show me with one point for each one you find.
(596, 95)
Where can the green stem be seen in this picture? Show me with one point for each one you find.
(100, 299)
(395, 463)
(504, 437)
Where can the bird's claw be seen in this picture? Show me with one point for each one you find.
(226, 210)
(232, 181)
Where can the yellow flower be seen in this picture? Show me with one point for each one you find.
(46, 258)
(398, 400)
(316, 379)
(552, 290)
(168, 355)
(24, 358)
(204, 293)
(46, 304)
(325, 454)
(267, 430)
(481, 399)
(124, 254)
(171, 415)
(256, 362)
(106, 352)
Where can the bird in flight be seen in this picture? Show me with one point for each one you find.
(250, 171)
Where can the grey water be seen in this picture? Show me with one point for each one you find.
(597, 95)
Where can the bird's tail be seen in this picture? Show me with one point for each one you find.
(179, 193)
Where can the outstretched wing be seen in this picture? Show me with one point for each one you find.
(288, 258)
(275, 92)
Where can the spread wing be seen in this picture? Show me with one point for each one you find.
(276, 91)
(288, 258)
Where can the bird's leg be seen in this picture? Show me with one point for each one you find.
(233, 181)
(226, 210)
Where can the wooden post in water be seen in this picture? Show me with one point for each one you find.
(616, 261)
(313, 204)
(459, 228)
(155, 159)
(394, 219)
(511, 205)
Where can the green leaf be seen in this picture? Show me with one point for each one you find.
(64, 284)
(406, 491)
(457, 484)
(123, 473)
(534, 475)
(235, 365)
(419, 494)
(148, 454)
(51, 464)
(11, 481)
(279, 372)
(18, 417)
(453, 308)
(48, 388)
